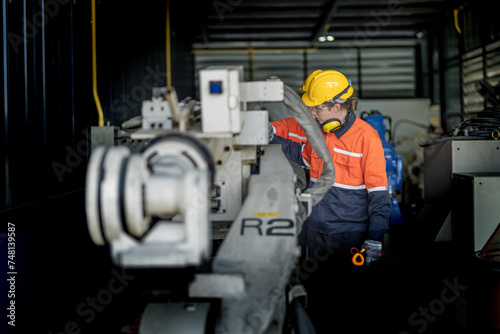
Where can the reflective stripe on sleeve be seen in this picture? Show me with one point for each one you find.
(352, 154)
(361, 187)
(345, 186)
(291, 134)
(377, 189)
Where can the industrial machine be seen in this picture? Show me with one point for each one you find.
(461, 208)
(445, 160)
(393, 163)
(207, 171)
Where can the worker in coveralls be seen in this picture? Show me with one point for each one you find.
(353, 213)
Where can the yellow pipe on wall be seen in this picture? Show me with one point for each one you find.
(169, 72)
(455, 16)
(94, 69)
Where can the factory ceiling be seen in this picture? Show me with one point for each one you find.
(276, 22)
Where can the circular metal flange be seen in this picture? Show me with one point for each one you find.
(110, 191)
(182, 140)
(92, 198)
(136, 222)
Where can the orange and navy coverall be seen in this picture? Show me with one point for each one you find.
(289, 128)
(359, 199)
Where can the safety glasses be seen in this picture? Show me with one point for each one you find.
(316, 108)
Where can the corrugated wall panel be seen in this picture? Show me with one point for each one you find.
(472, 72)
(493, 63)
(385, 72)
(288, 66)
(388, 72)
(335, 59)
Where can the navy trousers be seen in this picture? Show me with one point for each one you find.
(333, 283)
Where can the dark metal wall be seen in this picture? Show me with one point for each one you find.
(132, 54)
(455, 56)
(48, 107)
(47, 83)
(45, 62)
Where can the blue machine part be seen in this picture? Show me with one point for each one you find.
(396, 217)
(393, 163)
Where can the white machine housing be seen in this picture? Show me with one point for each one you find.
(158, 208)
(220, 100)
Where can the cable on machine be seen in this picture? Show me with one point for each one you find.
(485, 125)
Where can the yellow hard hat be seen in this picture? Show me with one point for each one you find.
(327, 86)
(308, 80)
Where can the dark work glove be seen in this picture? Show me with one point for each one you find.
(271, 132)
(373, 251)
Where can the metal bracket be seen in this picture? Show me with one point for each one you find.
(297, 292)
(306, 199)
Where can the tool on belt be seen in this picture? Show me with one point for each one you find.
(370, 252)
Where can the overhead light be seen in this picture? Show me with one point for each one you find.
(325, 38)
(420, 34)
